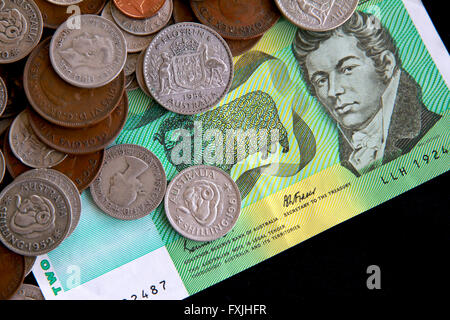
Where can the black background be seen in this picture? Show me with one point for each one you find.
(407, 237)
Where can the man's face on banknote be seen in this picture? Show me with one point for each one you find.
(346, 81)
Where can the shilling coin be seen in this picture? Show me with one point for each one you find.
(66, 185)
(29, 264)
(139, 9)
(2, 166)
(188, 68)
(28, 292)
(202, 203)
(145, 26)
(82, 140)
(28, 148)
(140, 74)
(131, 183)
(238, 19)
(317, 15)
(54, 15)
(12, 268)
(134, 43)
(21, 29)
(36, 216)
(3, 96)
(89, 57)
(62, 103)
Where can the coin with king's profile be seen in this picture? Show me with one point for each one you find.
(131, 183)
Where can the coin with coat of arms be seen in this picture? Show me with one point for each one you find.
(188, 68)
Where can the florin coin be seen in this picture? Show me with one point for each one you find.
(131, 183)
(61, 103)
(317, 15)
(134, 43)
(140, 74)
(188, 68)
(21, 29)
(89, 57)
(3, 96)
(182, 12)
(202, 203)
(29, 264)
(146, 26)
(28, 292)
(36, 216)
(2, 166)
(82, 140)
(54, 15)
(238, 19)
(66, 185)
(28, 148)
(12, 268)
(139, 9)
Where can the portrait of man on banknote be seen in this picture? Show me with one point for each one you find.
(356, 74)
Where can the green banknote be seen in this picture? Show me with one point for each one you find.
(316, 128)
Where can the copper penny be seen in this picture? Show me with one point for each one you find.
(12, 75)
(237, 19)
(81, 169)
(182, 12)
(54, 15)
(61, 103)
(83, 140)
(139, 9)
(12, 268)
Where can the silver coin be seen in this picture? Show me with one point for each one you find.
(317, 15)
(29, 264)
(140, 74)
(89, 57)
(130, 65)
(131, 183)
(66, 184)
(28, 292)
(134, 43)
(2, 166)
(21, 29)
(64, 2)
(202, 203)
(3, 96)
(35, 216)
(188, 68)
(28, 148)
(142, 27)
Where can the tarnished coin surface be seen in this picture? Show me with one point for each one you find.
(62, 103)
(12, 268)
(89, 57)
(140, 74)
(131, 183)
(3, 96)
(66, 185)
(202, 203)
(188, 68)
(317, 15)
(36, 216)
(54, 15)
(141, 9)
(2, 166)
(82, 140)
(21, 29)
(28, 148)
(135, 43)
(144, 26)
(28, 292)
(238, 19)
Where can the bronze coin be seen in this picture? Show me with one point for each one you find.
(237, 19)
(14, 166)
(54, 15)
(61, 103)
(182, 12)
(83, 140)
(12, 269)
(12, 75)
(142, 9)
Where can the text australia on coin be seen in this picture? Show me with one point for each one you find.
(202, 203)
(188, 68)
(131, 183)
